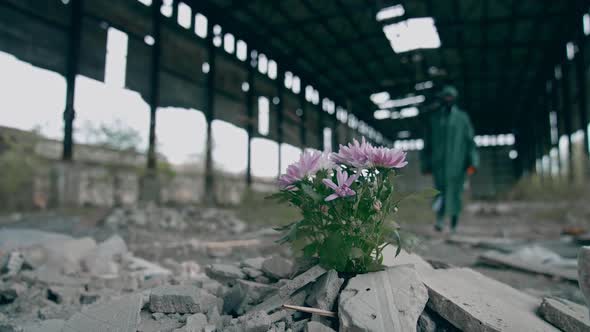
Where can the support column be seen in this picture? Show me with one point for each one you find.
(249, 121)
(279, 109)
(557, 108)
(303, 121)
(149, 182)
(582, 85)
(209, 196)
(321, 125)
(154, 100)
(73, 57)
(567, 112)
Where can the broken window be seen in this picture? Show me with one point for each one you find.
(263, 116)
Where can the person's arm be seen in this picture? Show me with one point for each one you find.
(426, 153)
(472, 154)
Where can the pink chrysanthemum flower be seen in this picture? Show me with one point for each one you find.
(342, 189)
(354, 154)
(308, 164)
(386, 157)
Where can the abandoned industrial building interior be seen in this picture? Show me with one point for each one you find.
(294, 165)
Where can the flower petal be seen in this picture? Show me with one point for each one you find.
(331, 197)
(330, 184)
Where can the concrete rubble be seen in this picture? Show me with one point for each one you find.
(55, 282)
(566, 315)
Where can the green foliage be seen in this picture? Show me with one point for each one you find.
(349, 233)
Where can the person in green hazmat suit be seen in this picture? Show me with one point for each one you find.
(449, 154)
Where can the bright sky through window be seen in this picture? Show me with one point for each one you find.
(296, 85)
(146, 2)
(263, 115)
(116, 58)
(184, 15)
(586, 24)
(412, 34)
(288, 80)
(390, 12)
(328, 139)
(424, 85)
(201, 25)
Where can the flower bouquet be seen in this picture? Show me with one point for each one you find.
(347, 200)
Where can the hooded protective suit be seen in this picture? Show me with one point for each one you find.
(448, 151)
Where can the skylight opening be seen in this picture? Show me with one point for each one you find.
(424, 85)
(145, 2)
(390, 12)
(409, 112)
(201, 25)
(327, 139)
(570, 50)
(296, 85)
(229, 43)
(184, 15)
(272, 69)
(407, 101)
(316, 99)
(242, 50)
(245, 86)
(557, 72)
(288, 81)
(309, 93)
(586, 24)
(166, 8)
(205, 68)
(116, 58)
(382, 114)
(149, 40)
(262, 63)
(379, 97)
(217, 41)
(412, 34)
(513, 154)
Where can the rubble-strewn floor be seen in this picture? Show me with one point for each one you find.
(107, 253)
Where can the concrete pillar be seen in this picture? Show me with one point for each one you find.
(73, 57)
(250, 103)
(209, 197)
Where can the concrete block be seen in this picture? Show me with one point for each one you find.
(121, 315)
(181, 299)
(277, 267)
(566, 315)
(390, 300)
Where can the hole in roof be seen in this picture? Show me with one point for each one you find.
(276, 100)
(263, 116)
(245, 86)
(201, 25)
(184, 15)
(205, 67)
(242, 50)
(390, 12)
(407, 101)
(586, 24)
(262, 64)
(570, 50)
(217, 41)
(382, 114)
(380, 97)
(424, 85)
(412, 34)
(229, 43)
(216, 29)
(409, 112)
(166, 8)
(145, 2)
(272, 69)
(288, 81)
(149, 40)
(296, 85)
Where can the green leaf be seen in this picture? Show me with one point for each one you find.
(398, 241)
(356, 253)
(311, 249)
(308, 190)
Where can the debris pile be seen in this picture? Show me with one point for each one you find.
(56, 282)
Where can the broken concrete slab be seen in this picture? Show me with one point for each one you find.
(225, 272)
(498, 259)
(404, 258)
(256, 291)
(317, 327)
(181, 299)
(277, 300)
(194, 323)
(505, 245)
(473, 302)
(324, 293)
(163, 323)
(146, 269)
(121, 315)
(390, 300)
(253, 263)
(568, 316)
(12, 263)
(277, 267)
(11, 239)
(584, 273)
(100, 260)
(50, 325)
